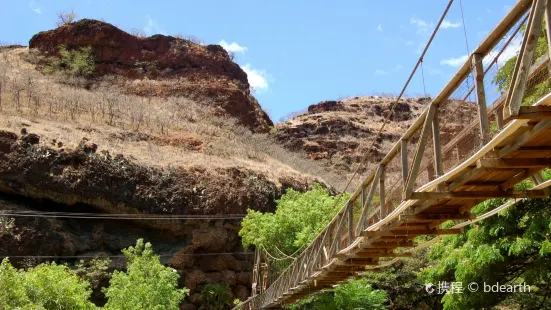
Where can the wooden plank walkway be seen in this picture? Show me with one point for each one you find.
(352, 243)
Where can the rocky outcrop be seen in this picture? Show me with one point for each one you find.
(35, 176)
(342, 131)
(202, 72)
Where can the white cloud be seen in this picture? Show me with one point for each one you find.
(423, 27)
(258, 79)
(447, 24)
(152, 27)
(380, 27)
(34, 7)
(380, 72)
(509, 52)
(454, 62)
(232, 47)
(409, 43)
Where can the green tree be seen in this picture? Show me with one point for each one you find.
(216, 296)
(510, 248)
(146, 285)
(78, 63)
(298, 218)
(46, 286)
(354, 294)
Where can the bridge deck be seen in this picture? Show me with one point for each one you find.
(522, 153)
(492, 168)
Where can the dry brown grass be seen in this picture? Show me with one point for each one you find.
(49, 106)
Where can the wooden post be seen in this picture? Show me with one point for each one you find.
(548, 31)
(382, 210)
(524, 60)
(404, 153)
(481, 99)
(350, 224)
(365, 207)
(438, 166)
(408, 189)
(499, 116)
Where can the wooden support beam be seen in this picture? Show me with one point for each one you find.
(479, 194)
(404, 154)
(365, 207)
(514, 163)
(382, 200)
(466, 177)
(534, 113)
(374, 255)
(412, 175)
(532, 151)
(359, 263)
(548, 32)
(524, 60)
(523, 175)
(350, 214)
(437, 147)
(437, 216)
(417, 232)
(392, 245)
(481, 99)
(499, 117)
(524, 138)
(484, 183)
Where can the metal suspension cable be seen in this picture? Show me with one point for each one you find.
(423, 77)
(105, 216)
(391, 111)
(466, 39)
(375, 138)
(120, 256)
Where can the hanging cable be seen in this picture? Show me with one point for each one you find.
(392, 108)
(466, 43)
(423, 78)
(106, 216)
(120, 256)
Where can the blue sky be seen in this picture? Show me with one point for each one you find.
(296, 53)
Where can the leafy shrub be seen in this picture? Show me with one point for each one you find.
(147, 284)
(78, 63)
(46, 286)
(216, 296)
(356, 294)
(298, 218)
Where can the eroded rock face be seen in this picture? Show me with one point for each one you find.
(192, 70)
(342, 131)
(43, 178)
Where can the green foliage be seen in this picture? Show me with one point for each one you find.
(216, 296)
(147, 284)
(78, 63)
(299, 217)
(46, 286)
(354, 294)
(94, 271)
(509, 248)
(504, 75)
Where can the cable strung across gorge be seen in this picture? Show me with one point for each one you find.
(107, 216)
(120, 256)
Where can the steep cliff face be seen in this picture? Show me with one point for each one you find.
(36, 176)
(342, 131)
(183, 68)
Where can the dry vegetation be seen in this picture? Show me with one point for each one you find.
(155, 131)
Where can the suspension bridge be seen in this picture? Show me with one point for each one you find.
(434, 173)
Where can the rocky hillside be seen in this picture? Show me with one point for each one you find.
(180, 67)
(164, 126)
(342, 131)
